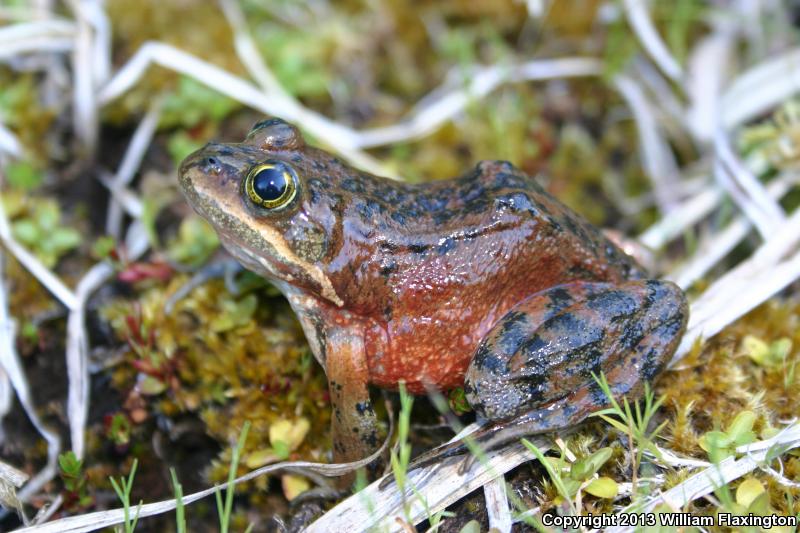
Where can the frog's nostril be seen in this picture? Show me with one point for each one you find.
(212, 161)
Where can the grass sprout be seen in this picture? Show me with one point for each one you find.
(180, 516)
(123, 489)
(224, 509)
(634, 422)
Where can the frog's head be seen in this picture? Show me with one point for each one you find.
(263, 198)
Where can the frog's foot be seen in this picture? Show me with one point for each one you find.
(547, 349)
(533, 372)
(227, 269)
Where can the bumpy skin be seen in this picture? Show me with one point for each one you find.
(406, 282)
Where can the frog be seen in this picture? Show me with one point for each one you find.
(485, 281)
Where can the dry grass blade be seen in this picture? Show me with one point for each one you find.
(744, 187)
(12, 367)
(101, 519)
(78, 341)
(43, 36)
(9, 143)
(761, 88)
(715, 248)
(683, 217)
(439, 486)
(248, 52)
(639, 19)
(444, 103)
(746, 286)
(658, 159)
(709, 67)
(706, 481)
(10, 480)
(130, 164)
(84, 96)
(45, 276)
(497, 505)
(340, 138)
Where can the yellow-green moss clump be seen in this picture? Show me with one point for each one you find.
(229, 359)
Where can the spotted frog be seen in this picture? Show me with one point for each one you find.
(484, 281)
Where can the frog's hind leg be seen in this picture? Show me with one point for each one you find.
(533, 372)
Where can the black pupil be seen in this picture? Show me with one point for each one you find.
(270, 183)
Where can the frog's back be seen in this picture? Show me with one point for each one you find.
(453, 257)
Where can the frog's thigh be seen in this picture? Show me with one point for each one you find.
(353, 420)
(539, 358)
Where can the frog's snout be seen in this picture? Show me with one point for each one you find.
(203, 160)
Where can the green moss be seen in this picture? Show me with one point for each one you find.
(226, 359)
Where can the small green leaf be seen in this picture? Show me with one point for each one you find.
(23, 175)
(602, 487)
(740, 429)
(103, 247)
(47, 214)
(473, 526)
(780, 349)
(70, 464)
(760, 505)
(63, 239)
(748, 490)
(150, 386)
(235, 314)
(756, 349)
(26, 231)
(589, 466)
(714, 439)
(281, 449)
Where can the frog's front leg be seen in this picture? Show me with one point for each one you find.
(533, 371)
(353, 420)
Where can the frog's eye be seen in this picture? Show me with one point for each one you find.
(271, 185)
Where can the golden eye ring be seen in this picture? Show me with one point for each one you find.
(271, 185)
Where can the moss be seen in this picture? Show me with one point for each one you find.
(253, 367)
